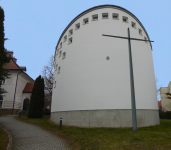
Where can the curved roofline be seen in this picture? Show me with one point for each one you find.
(99, 7)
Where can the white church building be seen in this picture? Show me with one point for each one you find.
(92, 74)
(19, 87)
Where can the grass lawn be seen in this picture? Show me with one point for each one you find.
(146, 138)
(3, 139)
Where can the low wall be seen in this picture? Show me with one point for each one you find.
(8, 111)
(106, 118)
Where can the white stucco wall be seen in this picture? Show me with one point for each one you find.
(10, 85)
(87, 81)
(165, 101)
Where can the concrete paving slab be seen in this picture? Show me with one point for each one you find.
(26, 136)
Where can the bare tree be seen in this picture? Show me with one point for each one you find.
(158, 89)
(47, 74)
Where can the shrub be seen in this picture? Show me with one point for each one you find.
(165, 115)
(46, 112)
(37, 99)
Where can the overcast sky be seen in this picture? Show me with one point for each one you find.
(34, 27)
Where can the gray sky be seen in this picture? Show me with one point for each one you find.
(34, 27)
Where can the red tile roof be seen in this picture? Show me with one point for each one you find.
(28, 88)
(13, 65)
(159, 104)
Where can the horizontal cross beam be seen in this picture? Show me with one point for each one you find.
(127, 38)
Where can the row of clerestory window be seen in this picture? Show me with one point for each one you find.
(60, 53)
(95, 18)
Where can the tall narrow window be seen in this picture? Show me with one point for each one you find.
(59, 68)
(63, 55)
(85, 21)
(115, 16)
(105, 15)
(70, 32)
(70, 40)
(1, 100)
(77, 26)
(95, 17)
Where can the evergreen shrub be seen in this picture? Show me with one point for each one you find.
(37, 99)
(46, 112)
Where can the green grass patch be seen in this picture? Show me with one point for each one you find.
(149, 138)
(3, 139)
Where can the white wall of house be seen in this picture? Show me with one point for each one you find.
(87, 81)
(10, 85)
(165, 101)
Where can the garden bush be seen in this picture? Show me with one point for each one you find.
(165, 115)
(46, 112)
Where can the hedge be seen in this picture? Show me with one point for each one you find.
(165, 115)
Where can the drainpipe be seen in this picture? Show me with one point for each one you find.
(15, 91)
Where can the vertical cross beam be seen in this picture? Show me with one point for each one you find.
(134, 116)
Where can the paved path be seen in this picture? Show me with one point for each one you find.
(30, 137)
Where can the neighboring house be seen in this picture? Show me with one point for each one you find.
(165, 101)
(19, 86)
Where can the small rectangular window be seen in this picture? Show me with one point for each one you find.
(133, 24)
(57, 51)
(63, 55)
(85, 21)
(56, 67)
(60, 53)
(115, 16)
(125, 19)
(145, 39)
(95, 17)
(77, 26)
(61, 45)
(59, 69)
(70, 40)
(65, 38)
(55, 84)
(140, 31)
(105, 15)
(70, 32)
